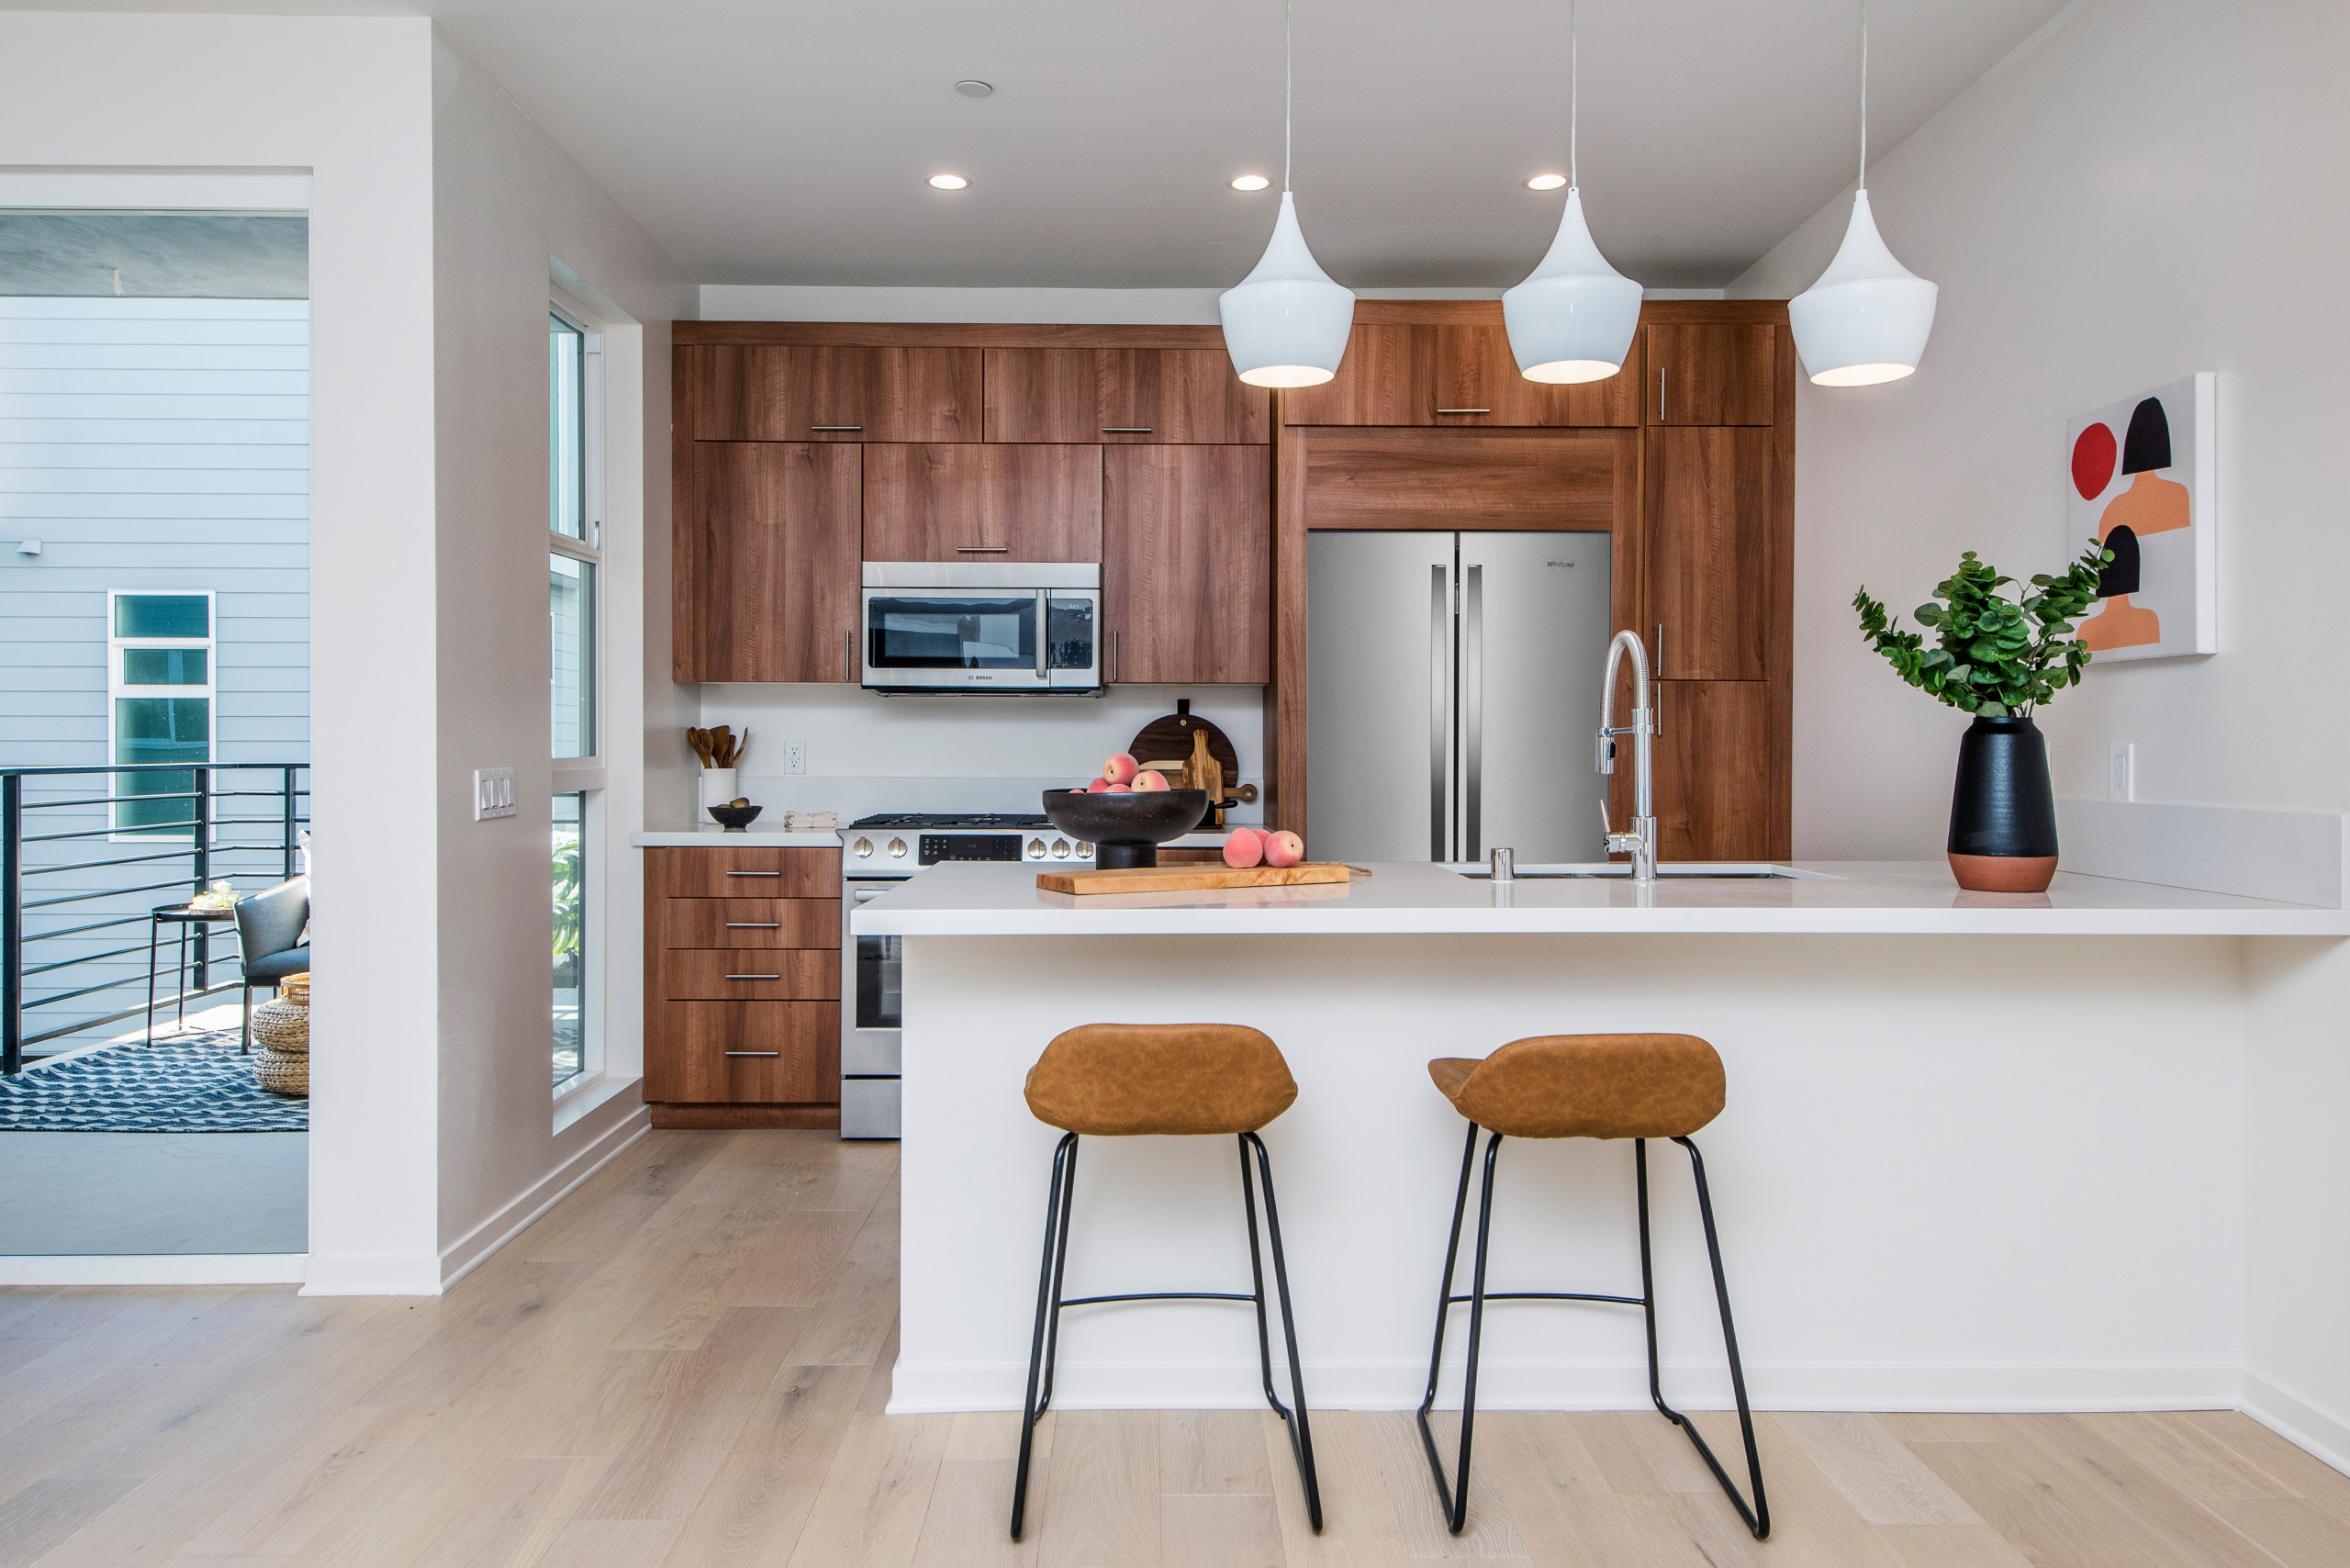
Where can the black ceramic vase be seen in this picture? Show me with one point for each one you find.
(2003, 811)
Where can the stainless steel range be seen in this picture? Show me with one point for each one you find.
(880, 852)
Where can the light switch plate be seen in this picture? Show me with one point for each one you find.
(795, 757)
(2121, 773)
(493, 793)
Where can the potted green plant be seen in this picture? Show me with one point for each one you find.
(1998, 658)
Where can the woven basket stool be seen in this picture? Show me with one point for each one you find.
(282, 1038)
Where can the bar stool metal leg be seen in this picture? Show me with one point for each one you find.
(1301, 1437)
(1758, 1516)
(154, 934)
(1454, 1495)
(1048, 1317)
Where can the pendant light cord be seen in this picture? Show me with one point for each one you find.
(1289, 87)
(1574, 92)
(1863, 182)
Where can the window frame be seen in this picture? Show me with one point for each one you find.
(118, 689)
(576, 773)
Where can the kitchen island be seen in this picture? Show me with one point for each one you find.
(1980, 1151)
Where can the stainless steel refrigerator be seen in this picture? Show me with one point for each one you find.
(1452, 694)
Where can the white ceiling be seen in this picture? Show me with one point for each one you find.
(787, 142)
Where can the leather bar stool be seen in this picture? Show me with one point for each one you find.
(1147, 1079)
(1601, 1086)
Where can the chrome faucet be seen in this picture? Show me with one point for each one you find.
(1640, 842)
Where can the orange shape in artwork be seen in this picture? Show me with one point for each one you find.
(2121, 624)
(2150, 505)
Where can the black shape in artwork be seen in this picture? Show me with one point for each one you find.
(2147, 446)
(2120, 574)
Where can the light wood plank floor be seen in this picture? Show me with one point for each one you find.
(685, 1364)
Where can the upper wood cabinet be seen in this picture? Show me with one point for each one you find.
(766, 577)
(1711, 548)
(1720, 786)
(759, 393)
(1453, 375)
(1188, 572)
(1122, 396)
(1712, 374)
(1496, 479)
(966, 501)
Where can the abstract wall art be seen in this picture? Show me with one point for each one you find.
(2142, 479)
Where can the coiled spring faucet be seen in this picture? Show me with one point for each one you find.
(1640, 842)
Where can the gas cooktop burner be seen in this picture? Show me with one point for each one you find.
(968, 820)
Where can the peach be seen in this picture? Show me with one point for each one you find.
(1099, 786)
(1284, 848)
(1121, 769)
(1149, 779)
(1244, 848)
(1117, 790)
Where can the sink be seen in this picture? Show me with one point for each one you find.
(1695, 871)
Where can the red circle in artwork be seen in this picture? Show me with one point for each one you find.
(2093, 454)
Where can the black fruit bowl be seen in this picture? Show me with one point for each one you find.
(735, 818)
(1126, 830)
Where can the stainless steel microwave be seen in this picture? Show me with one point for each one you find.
(1004, 626)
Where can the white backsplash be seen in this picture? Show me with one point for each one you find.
(868, 753)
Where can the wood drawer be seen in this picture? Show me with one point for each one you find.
(751, 922)
(748, 872)
(787, 1052)
(700, 975)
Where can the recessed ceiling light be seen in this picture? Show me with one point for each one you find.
(948, 182)
(1547, 183)
(1250, 183)
(973, 89)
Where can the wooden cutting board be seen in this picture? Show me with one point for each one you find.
(1190, 878)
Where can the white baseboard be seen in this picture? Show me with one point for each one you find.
(468, 1253)
(158, 1268)
(372, 1276)
(2298, 1422)
(1621, 1386)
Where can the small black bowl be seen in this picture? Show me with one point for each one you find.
(736, 818)
(1126, 830)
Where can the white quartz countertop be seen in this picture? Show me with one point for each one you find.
(1850, 897)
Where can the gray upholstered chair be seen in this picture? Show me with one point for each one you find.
(269, 929)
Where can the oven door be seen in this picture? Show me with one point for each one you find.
(870, 970)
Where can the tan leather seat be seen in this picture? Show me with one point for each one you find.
(1127, 1080)
(1588, 1086)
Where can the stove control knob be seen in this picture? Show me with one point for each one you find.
(1061, 849)
(1035, 849)
(898, 849)
(862, 849)
(1085, 852)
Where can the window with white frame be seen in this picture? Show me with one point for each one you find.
(159, 690)
(574, 564)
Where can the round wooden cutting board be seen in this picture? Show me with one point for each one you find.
(1168, 739)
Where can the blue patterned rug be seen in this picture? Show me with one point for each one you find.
(186, 1083)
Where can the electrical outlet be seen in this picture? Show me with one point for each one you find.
(795, 757)
(493, 793)
(2121, 772)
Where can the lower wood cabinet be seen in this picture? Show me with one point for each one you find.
(742, 986)
(1187, 570)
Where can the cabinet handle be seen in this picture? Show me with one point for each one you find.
(983, 549)
(755, 977)
(1113, 654)
(1660, 395)
(754, 873)
(753, 1053)
(835, 427)
(848, 654)
(1464, 411)
(755, 925)
(1656, 698)
(1125, 430)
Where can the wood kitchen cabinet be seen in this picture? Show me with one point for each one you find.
(1719, 795)
(1711, 546)
(972, 502)
(1187, 566)
(1712, 373)
(751, 392)
(743, 968)
(766, 574)
(1122, 396)
(1453, 375)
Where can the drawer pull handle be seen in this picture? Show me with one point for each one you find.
(1125, 430)
(753, 1053)
(1464, 411)
(755, 977)
(983, 549)
(835, 427)
(753, 925)
(754, 873)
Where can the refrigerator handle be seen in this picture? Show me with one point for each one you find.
(1472, 654)
(1439, 637)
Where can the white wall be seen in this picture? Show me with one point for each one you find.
(1091, 307)
(505, 202)
(348, 100)
(2154, 189)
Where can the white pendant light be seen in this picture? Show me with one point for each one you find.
(1286, 323)
(1868, 318)
(1574, 317)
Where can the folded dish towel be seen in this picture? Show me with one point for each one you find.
(811, 822)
